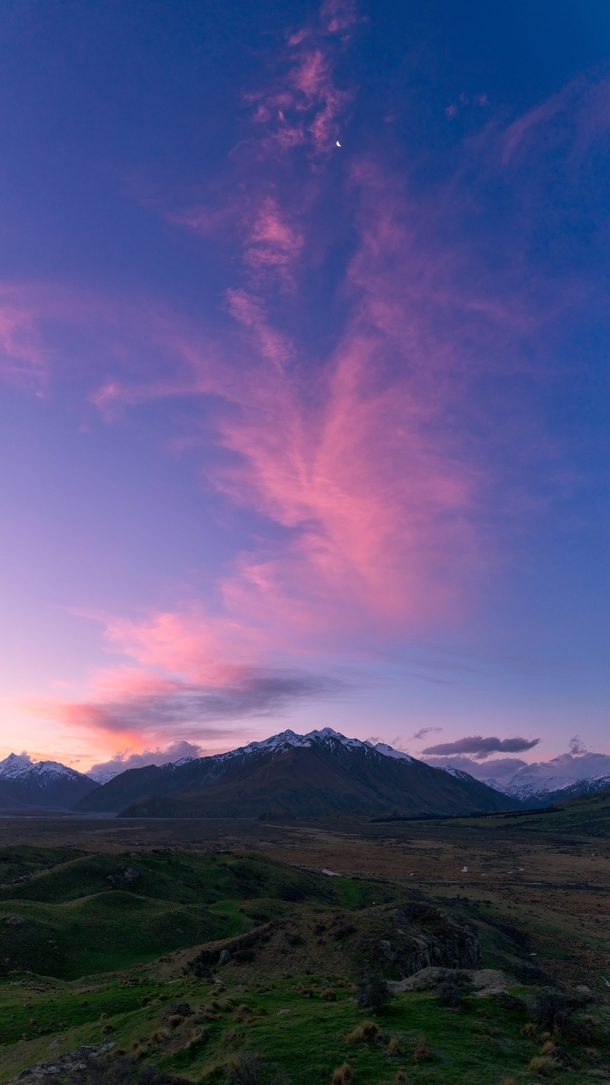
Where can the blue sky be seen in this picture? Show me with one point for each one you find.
(303, 349)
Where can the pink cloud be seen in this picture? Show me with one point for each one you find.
(363, 454)
(187, 673)
(338, 15)
(196, 645)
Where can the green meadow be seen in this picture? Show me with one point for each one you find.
(98, 953)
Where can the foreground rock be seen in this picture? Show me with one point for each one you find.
(486, 981)
(70, 1060)
(395, 942)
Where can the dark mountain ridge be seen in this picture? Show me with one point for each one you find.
(296, 775)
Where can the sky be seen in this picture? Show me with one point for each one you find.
(304, 385)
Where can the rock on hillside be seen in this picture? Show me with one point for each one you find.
(396, 942)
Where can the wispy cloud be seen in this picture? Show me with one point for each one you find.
(425, 731)
(162, 707)
(373, 454)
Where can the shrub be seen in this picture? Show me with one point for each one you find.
(368, 1030)
(183, 1008)
(506, 1001)
(553, 1010)
(541, 1064)
(393, 1047)
(152, 1075)
(328, 994)
(373, 992)
(245, 1069)
(421, 1050)
(342, 1075)
(529, 1029)
(450, 993)
(174, 1020)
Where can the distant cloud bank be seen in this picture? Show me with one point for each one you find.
(481, 747)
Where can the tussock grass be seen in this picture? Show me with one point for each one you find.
(342, 1075)
(541, 1064)
(368, 1030)
(421, 1051)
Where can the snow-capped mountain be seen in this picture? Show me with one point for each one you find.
(563, 777)
(554, 789)
(14, 766)
(326, 737)
(319, 773)
(44, 784)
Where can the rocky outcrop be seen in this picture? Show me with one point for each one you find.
(394, 941)
(69, 1061)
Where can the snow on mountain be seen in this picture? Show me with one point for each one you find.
(15, 765)
(326, 737)
(103, 776)
(460, 774)
(389, 751)
(564, 776)
(52, 770)
(21, 767)
(532, 789)
(307, 775)
(45, 784)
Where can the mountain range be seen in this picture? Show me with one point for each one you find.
(540, 783)
(46, 785)
(311, 775)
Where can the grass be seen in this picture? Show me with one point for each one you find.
(95, 913)
(101, 958)
(305, 1039)
(22, 860)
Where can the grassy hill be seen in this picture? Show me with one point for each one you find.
(100, 912)
(121, 953)
(296, 1030)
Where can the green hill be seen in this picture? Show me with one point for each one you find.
(101, 912)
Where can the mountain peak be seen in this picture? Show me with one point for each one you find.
(16, 764)
(326, 737)
(43, 784)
